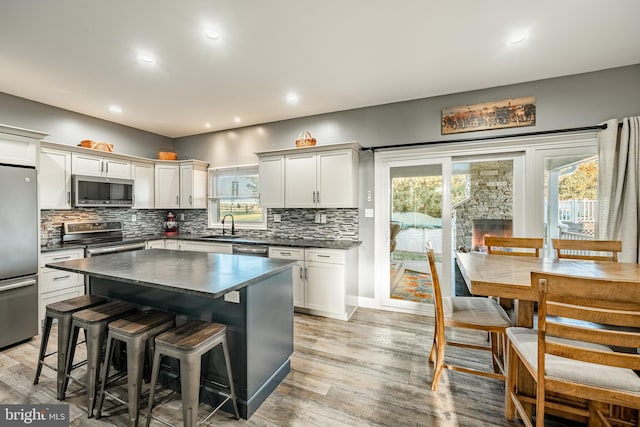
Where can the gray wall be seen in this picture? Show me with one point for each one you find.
(67, 127)
(565, 102)
(573, 101)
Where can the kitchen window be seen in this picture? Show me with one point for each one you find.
(235, 191)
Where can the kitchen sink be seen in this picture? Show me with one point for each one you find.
(220, 236)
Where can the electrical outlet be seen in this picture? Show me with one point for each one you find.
(181, 217)
(277, 218)
(368, 213)
(369, 196)
(317, 220)
(233, 296)
(133, 218)
(323, 219)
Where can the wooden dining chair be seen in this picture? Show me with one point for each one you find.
(566, 357)
(513, 246)
(587, 249)
(481, 314)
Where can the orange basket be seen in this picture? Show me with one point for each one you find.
(167, 154)
(96, 145)
(305, 140)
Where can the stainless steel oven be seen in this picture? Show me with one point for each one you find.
(113, 248)
(100, 237)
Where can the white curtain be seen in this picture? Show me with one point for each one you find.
(619, 186)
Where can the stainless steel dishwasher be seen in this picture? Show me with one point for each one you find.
(251, 250)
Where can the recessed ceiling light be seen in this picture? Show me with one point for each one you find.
(517, 38)
(115, 109)
(207, 125)
(292, 98)
(147, 59)
(211, 34)
(237, 119)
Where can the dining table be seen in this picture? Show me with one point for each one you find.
(510, 277)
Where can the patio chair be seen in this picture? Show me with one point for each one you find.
(587, 249)
(564, 356)
(481, 314)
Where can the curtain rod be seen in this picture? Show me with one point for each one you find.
(486, 138)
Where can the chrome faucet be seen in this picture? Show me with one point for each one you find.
(233, 226)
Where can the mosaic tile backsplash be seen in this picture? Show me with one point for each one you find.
(295, 223)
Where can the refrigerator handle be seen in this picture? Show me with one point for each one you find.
(18, 285)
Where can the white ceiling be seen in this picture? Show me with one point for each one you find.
(81, 55)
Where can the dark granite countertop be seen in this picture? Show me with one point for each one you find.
(203, 237)
(199, 273)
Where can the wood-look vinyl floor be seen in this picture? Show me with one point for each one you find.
(369, 371)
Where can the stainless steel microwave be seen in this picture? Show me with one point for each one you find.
(93, 191)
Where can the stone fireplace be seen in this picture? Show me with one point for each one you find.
(489, 227)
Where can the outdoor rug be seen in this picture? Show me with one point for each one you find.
(414, 286)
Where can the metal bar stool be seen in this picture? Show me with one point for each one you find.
(188, 343)
(62, 311)
(138, 332)
(94, 321)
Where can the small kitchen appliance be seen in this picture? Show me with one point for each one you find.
(170, 225)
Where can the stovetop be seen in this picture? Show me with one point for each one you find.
(92, 233)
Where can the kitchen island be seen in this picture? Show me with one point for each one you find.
(251, 295)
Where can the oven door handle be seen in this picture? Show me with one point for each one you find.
(17, 285)
(119, 248)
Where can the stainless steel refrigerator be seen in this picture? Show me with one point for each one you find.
(19, 247)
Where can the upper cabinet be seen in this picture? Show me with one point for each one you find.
(92, 165)
(181, 185)
(143, 175)
(167, 186)
(271, 171)
(55, 179)
(193, 185)
(315, 177)
(19, 146)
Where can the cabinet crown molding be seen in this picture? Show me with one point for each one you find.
(108, 155)
(353, 145)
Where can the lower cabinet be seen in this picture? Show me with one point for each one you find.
(197, 246)
(325, 281)
(155, 244)
(58, 285)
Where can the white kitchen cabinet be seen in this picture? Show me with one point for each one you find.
(167, 186)
(143, 175)
(155, 244)
(181, 185)
(198, 246)
(193, 185)
(300, 181)
(172, 244)
(57, 285)
(314, 177)
(92, 165)
(213, 247)
(271, 171)
(19, 146)
(294, 254)
(325, 281)
(55, 179)
(321, 180)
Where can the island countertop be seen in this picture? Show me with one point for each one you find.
(197, 273)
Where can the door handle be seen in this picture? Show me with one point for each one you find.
(18, 285)
(191, 200)
(68, 196)
(177, 200)
(61, 258)
(107, 168)
(318, 197)
(101, 166)
(62, 277)
(314, 197)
